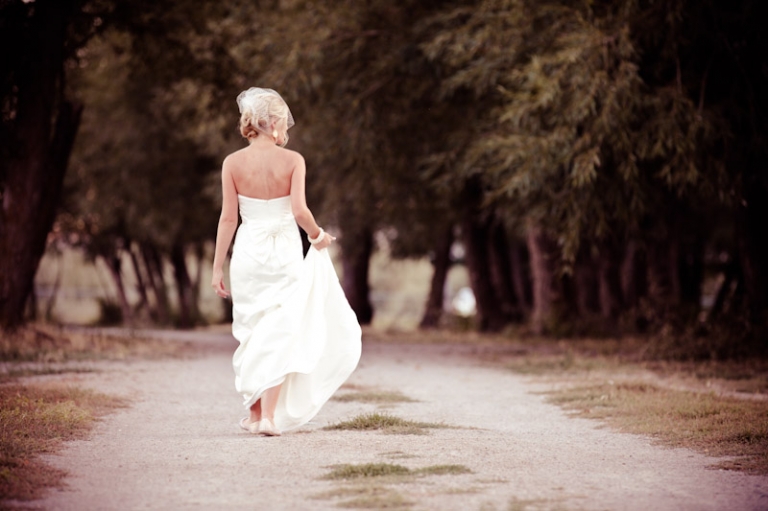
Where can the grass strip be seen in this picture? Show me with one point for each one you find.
(14, 374)
(376, 397)
(35, 420)
(385, 423)
(369, 495)
(712, 424)
(366, 470)
(43, 343)
(376, 470)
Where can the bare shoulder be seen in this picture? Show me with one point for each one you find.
(232, 160)
(293, 157)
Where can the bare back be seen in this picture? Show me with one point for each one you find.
(263, 172)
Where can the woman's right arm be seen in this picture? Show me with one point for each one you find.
(226, 229)
(301, 211)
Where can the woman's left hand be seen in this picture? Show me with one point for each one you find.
(217, 282)
(325, 242)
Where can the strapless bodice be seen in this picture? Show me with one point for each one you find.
(264, 209)
(268, 230)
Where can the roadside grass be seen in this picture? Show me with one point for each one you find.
(44, 343)
(575, 357)
(13, 374)
(431, 336)
(385, 423)
(719, 408)
(715, 425)
(367, 496)
(36, 420)
(375, 397)
(366, 483)
(377, 470)
(366, 470)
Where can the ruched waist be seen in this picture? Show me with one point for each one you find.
(264, 209)
(269, 233)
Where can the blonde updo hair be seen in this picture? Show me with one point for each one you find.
(263, 111)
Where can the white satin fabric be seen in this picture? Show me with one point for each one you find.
(291, 317)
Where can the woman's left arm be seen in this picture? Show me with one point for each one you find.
(226, 229)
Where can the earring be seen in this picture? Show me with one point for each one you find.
(274, 134)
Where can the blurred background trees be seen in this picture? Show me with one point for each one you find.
(599, 167)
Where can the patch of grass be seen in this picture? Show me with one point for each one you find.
(42, 343)
(398, 455)
(376, 397)
(546, 357)
(370, 470)
(385, 423)
(493, 480)
(35, 420)
(367, 496)
(13, 374)
(348, 471)
(569, 362)
(463, 491)
(575, 356)
(715, 425)
(392, 500)
(352, 386)
(441, 470)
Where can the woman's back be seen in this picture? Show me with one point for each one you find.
(263, 171)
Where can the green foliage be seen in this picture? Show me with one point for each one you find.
(139, 171)
(598, 122)
(571, 135)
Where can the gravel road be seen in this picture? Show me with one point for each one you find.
(178, 446)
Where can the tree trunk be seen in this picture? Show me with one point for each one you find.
(476, 234)
(521, 279)
(609, 276)
(188, 313)
(34, 157)
(753, 250)
(730, 275)
(141, 286)
(441, 263)
(154, 265)
(662, 273)
(691, 273)
(356, 254)
(199, 259)
(546, 287)
(114, 266)
(501, 273)
(587, 286)
(51, 301)
(633, 275)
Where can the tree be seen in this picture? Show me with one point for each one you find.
(142, 188)
(39, 124)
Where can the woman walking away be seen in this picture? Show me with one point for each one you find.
(299, 338)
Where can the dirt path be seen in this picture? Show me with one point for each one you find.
(178, 446)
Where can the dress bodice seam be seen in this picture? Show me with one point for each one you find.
(264, 200)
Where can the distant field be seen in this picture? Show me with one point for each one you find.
(398, 288)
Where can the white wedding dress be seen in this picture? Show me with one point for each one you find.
(291, 317)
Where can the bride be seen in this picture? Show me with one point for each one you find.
(299, 338)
